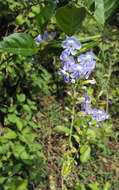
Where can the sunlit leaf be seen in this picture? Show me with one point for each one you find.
(106, 186)
(93, 187)
(10, 134)
(20, 44)
(85, 153)
(62, 129)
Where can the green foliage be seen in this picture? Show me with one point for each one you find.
(93, 187)
(69, 18)
(103, 10)
(85, 153)
(20, 151)
(20, 44)
(44, 16)
(24, 79)
(62, 129)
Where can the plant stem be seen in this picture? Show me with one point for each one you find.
(98, 37)
(72, 123)
(73, 113)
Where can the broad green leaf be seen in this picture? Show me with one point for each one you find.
(10, 134)
(103, 10)
(70, 19)
(93, 187)
(85, 153)
(62, 129)
(20, 44)
(106, 186)
(44, 16)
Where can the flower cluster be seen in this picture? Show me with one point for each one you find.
(75, 69)
(98, 114)
(46, 37)
(78, 68)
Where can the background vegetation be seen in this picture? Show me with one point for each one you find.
(34, 98)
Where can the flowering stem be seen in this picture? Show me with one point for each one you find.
(73, 113)
(72, 123)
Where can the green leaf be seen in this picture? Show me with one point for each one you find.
(79, 187)
(21, 97)
(23, 185)
(91, 134)
(18, 185)
(19, 124)
(2, 179)
(107, 186)
(24, 155)
(10, 134)
(26, 108)
(99, 12)
(12, 118)
(90, 2)
(20, 44)
(93, 187)
(20, 19)
(110, 6)
(62, 129)
(44, 16)
(103, 10)
(70, 19)
(85, 153)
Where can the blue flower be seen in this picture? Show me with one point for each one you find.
(98, 114)
(71, 45)
(89, 56)
(73, 81)
(64, 74)
(88, 63)
(76, 71)
(66, 60)
(84, 105)
(85, 65)
(38, 39)
(46, 37)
